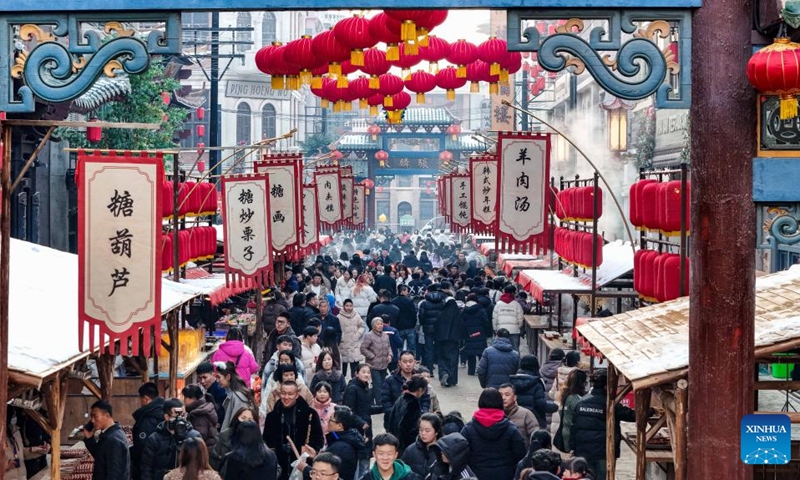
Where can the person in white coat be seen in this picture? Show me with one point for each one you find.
(363, 296)
(508, 314)
(344, 288)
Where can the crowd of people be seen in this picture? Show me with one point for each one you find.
(347, 340)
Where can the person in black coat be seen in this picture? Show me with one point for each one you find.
(358, 396)
(250, 458)
(411, 260)
(448, 333)
(424, 263)
(392, 387)
(498, 362)
(385, 307)
(299, 314)
(494, 442)
(146, 418)
(345, 441)
(384, 281)
(530, 390)
(587, 437)
(404, 418)
(429, 310)
(407, 319)
(292, 417)
(160, 454)
(419, 455)
(112, 460)
(479, 329)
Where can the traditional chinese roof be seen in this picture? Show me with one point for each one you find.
(413, 116)
(465, 143)
(358, 141)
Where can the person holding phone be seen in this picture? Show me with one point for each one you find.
(107, 444)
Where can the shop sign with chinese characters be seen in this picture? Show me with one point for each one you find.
(462, 211)
(284, 172)
(483, 169)
(359, 205)
(310, 216)
(248, 247)
(329, 196)
(119, 249)
(523, 194)
(347, 196)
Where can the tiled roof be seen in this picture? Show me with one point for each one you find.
(424, 116)
(465, 143)
(357, 141)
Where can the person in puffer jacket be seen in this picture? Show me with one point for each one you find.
(549, 370)
(494, 442)
(478, 330)
(234, 350)
(530, 390)
(498, 362)
(452, 452)
(507, 314)
(429, 310)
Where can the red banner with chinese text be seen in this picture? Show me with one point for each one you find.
(285, 180)
(523, 193)
(246, 213)
(119, 250)
(329, 197)
(483, 171)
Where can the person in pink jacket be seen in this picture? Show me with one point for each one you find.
(234, 350)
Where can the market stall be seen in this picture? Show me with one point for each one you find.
(648, 348)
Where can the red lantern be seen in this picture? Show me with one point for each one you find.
(354, 32)
(201, 130)
(375, 65)
(200, 147)
(492, 80)
(168, 202)
(408, 30)
(374, 130)
(426, 24)
(437, 49)
(390, 85)
(421, 82)
(511, 64)
(360, 89)
(269, 60)
(635, 196)
(381, 156)
(94, 134)
(647, 202)
(493, 52)
(331, 50)
(405, 62)
(400, 101)
(374, 102)
(201, 113)
(166, 252)
(647, 286)
(448, 79)
(368, 184)
(462, 53)
(475, 74)
(453, 130)
(301, 53)
(672, 208)
(445, 156)
(386, 29)
(201, 165)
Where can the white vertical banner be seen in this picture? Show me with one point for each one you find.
(310, 216)
(523, 194)
(462, 205)
(483, 170)
(283, 181)
(359, 204)
(347, 199)
(246, 219)
(329, 196)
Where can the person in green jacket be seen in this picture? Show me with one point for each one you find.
(385, 448)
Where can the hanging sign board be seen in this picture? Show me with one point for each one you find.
(347, 196)
(462, 205)
(285, 173)
(329, 196)
(119, 249)
(359, 205)
(310, 217)
(483, 169)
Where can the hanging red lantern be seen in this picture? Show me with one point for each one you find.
(405, 62)
(448, 79)
(511, 64)
(492, 80)
(400, 101)
(775, 70)
(201, 113)
(166, 252)
(475, 74)
(390, 85)
(381, 156)
(426, 24)
(269, 60)
(201, 165)
(374, 102)
(386, 29)
(462, 53)
(94, 134)
(317, 74)
(493, 52)
(636, 207)
(347, 68)
(375, 65)
(354, 32)
(648, 204)
(421, 82)
(201, 148)
(445, 156)
(672, 208)
(454, 130)
(368, 184)
(361, 91)
(374, 130)
(408, 30)
(437, 49)
(301, 53)
(331, 50)
(201, 130)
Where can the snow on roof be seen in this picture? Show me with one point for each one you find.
(43, 308)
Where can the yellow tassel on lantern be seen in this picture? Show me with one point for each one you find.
(388, 101)
(357, 58)
(420, 98)
(451, 95)
(503, 76)
(374, 82)
(342, 82)
(411, 48)
(276, 82)
(305, 76)
(494, 88)
(408, 31)
(382, 163)
(788, 107)
(373, 110)
(348, 106)
(494, 69)
(316, 81)
(433, 67)
(294, 83)
(392, 52)
(324, 103)
(474, 87)
(362, 104)
(337, 106)
(461, 72)
(335, 69)
(423, 39)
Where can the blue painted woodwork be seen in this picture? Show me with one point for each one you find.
(776, 179)
(236, 5)
(778, 233)
(553, 51)
(48, 71)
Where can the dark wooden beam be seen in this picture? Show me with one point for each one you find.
(642, 406)
(5, 239)
(105, 371)
(611, 455)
